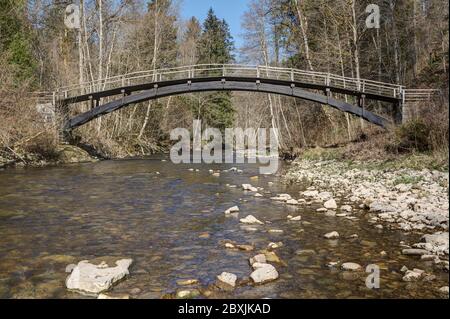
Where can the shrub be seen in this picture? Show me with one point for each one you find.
(410, 137)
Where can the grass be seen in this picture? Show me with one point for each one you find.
(407, 179)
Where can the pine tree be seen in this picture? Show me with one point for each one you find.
(15, 39)
(216, 46)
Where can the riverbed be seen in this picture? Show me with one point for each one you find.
(170, 220)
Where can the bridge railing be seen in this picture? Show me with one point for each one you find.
(418, 95)
(319, 79)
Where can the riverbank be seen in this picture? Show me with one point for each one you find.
(407, 193)
(62, 154)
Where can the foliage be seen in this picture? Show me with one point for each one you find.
(16, 39)
(216, 46)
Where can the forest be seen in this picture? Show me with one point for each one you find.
(39, 53)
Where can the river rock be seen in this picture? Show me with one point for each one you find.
(70, 268)
(438, 243)
(264, 273)
(234, 209)
(412, 275)
(274, 245)
(351, 267)
(296, 219)
(305, 252)
(68, 154)
(282, 197)
(275, 231)
(261, 258)
(444, 290)
(94, 279)
(414, 252)
(187, 282)
(346, 208)
(228, 278)
(115, 296)
(272, 257)
(312, 193)
(250, 219)
(330, 204)
(292, 202)
(249, 187)
(187, 294)
(332, 235)
(245, 247)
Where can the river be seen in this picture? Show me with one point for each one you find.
(171, 222)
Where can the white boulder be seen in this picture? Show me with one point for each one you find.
(94, 279)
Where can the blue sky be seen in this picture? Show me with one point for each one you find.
(230, 10)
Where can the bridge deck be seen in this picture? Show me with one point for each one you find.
(315, 79)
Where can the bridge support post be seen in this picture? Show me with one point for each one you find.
(62, 116)
(399, 113)
(328, 94)
(362, 105)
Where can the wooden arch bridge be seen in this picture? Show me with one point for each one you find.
(132, 88)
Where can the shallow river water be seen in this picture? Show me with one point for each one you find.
(173, 226)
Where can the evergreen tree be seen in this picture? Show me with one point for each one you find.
(15, 39)
(216, 46)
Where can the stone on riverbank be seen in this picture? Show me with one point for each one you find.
(421, 204)
(444, 290)
(412, 275)
(437, 243)
(414, 252)
(96, 278)
(330, 204)
(69, 154)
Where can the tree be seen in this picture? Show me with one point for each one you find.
(16, 39)
(216, 46)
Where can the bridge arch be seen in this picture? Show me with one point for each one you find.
(152, 91)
